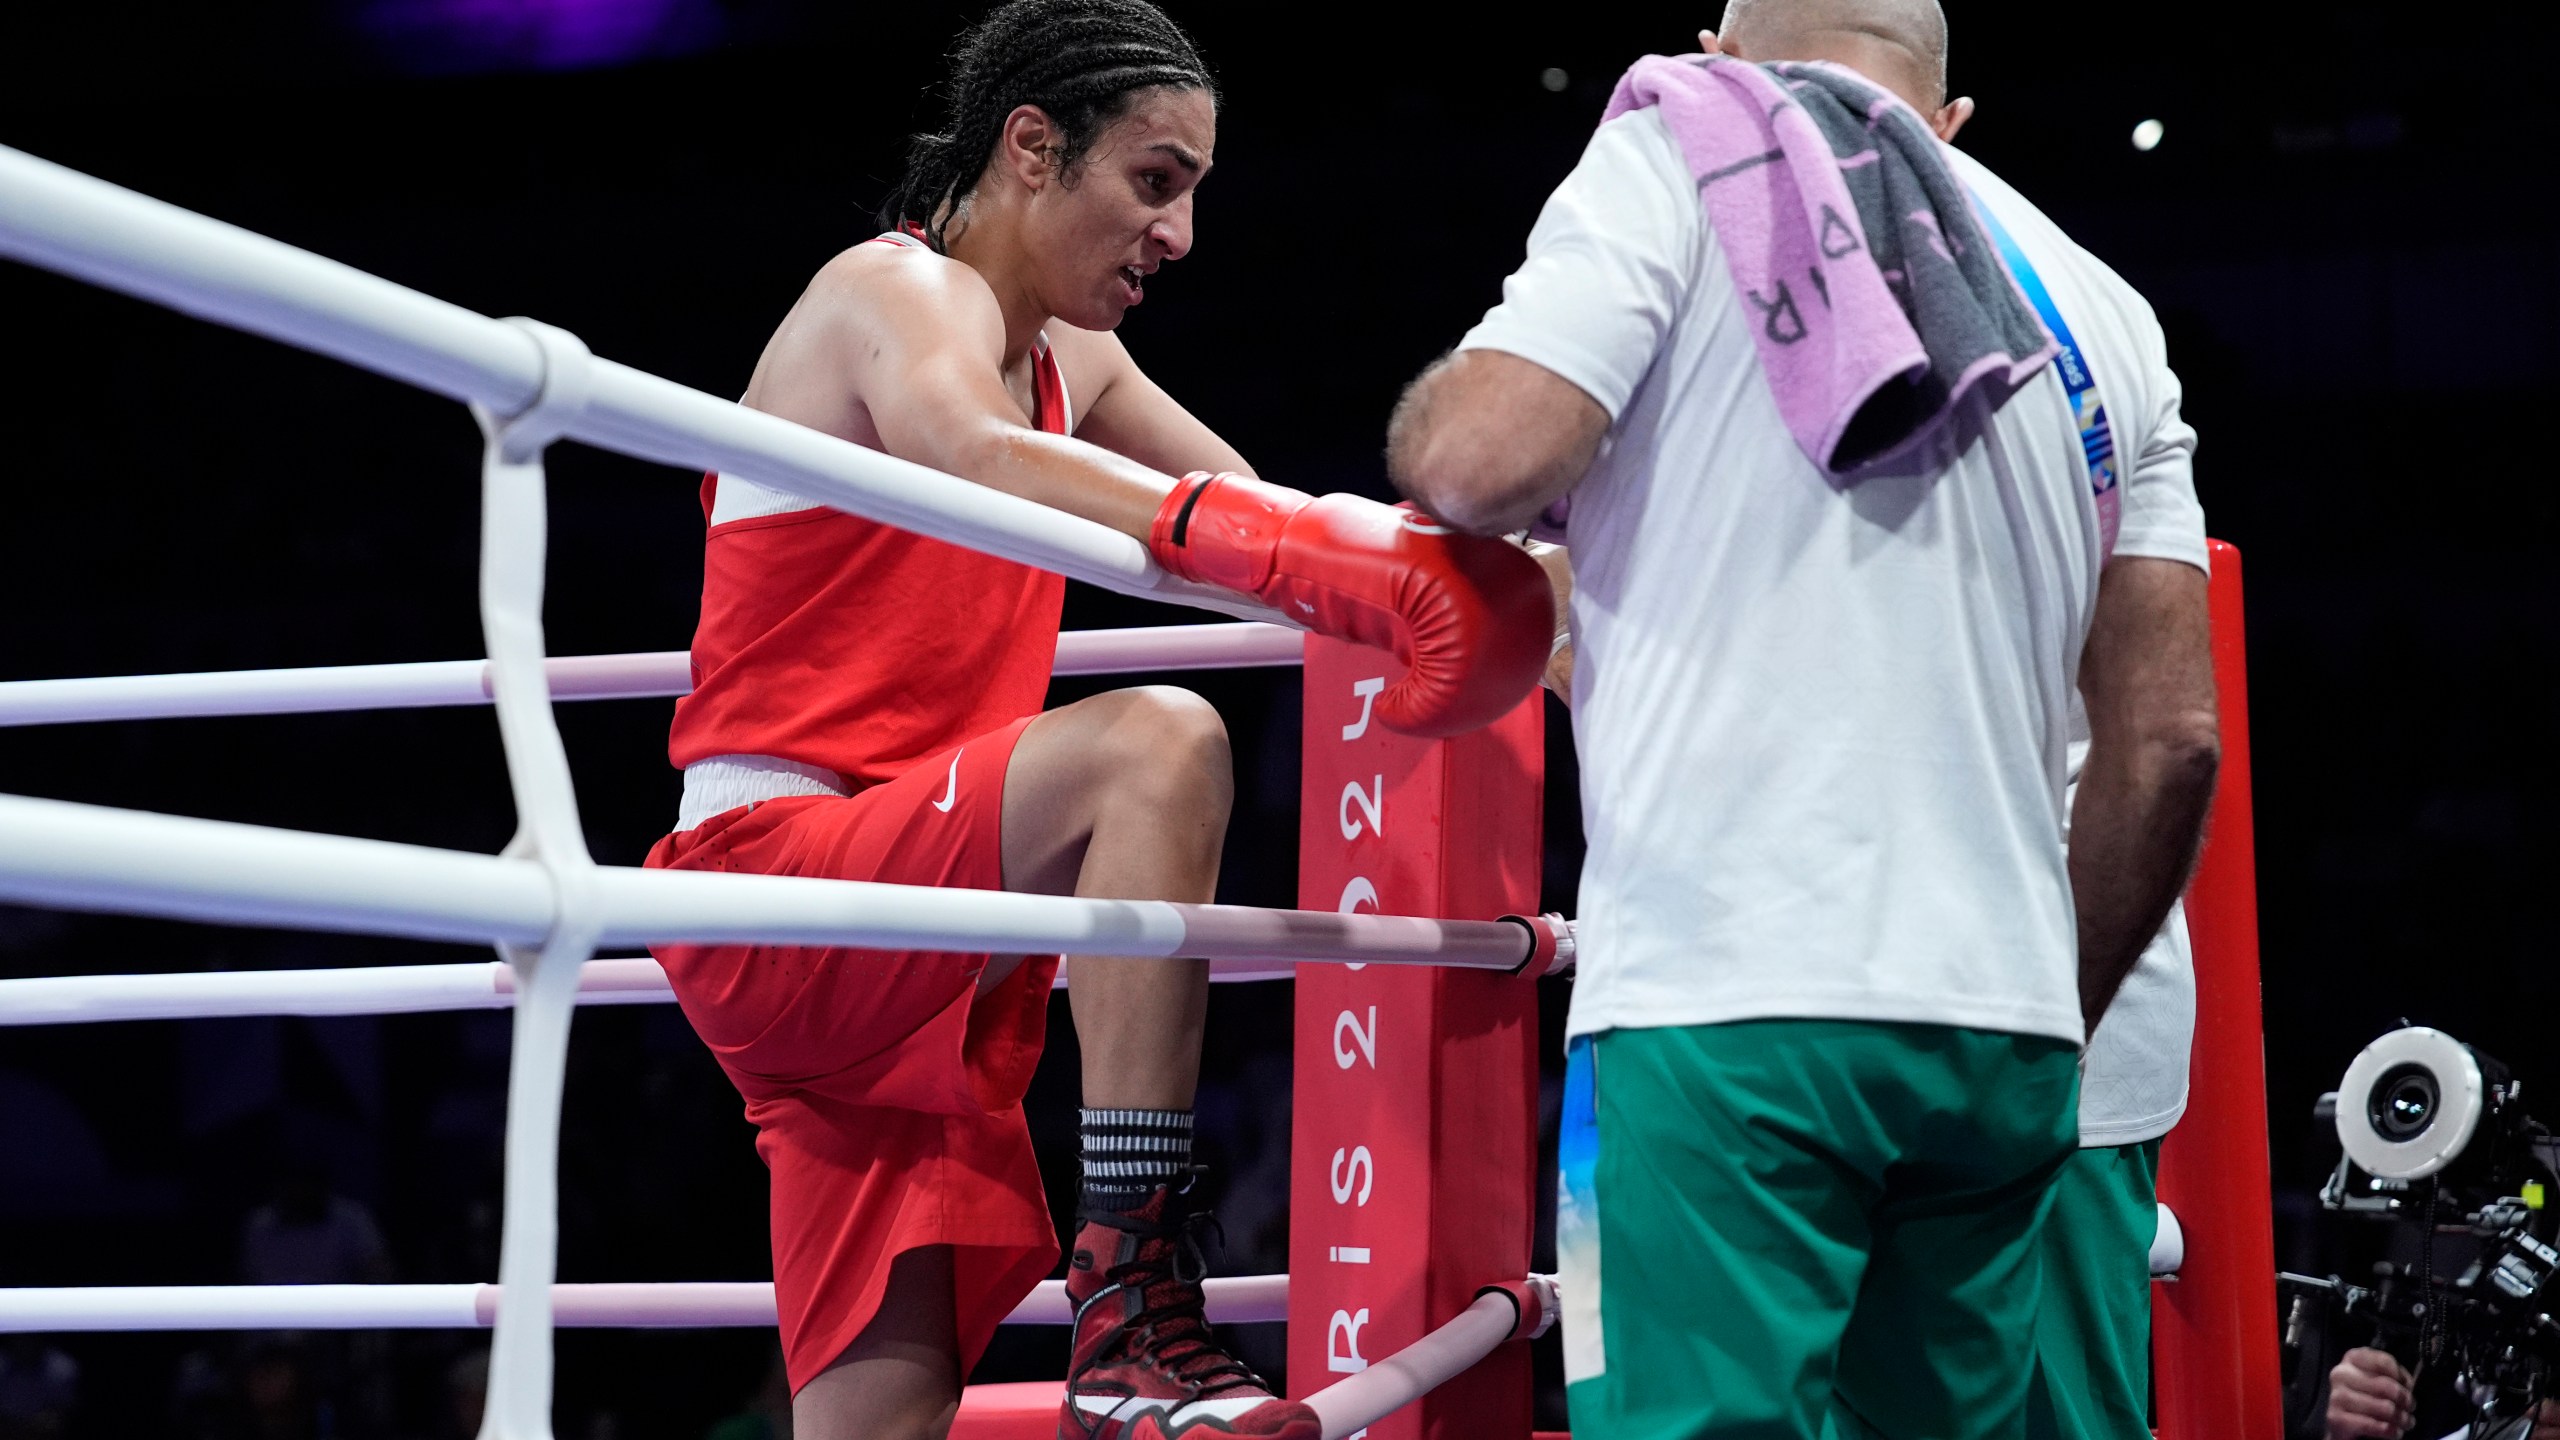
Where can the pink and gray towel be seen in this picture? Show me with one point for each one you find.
(1877, 302)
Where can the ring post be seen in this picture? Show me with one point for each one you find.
(2214, 1331)
(1413, 1150)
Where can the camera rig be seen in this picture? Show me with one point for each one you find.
(2435, 1143)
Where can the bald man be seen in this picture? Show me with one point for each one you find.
(1836, 969)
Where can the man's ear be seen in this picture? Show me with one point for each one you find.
(1951, 117)
(1028, 145)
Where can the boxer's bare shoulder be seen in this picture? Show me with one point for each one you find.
(874, 321)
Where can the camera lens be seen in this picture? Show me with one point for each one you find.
(2410, 1103)
(2404, 1102)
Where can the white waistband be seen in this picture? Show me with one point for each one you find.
(721, 783)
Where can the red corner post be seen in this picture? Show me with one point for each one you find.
(2213, 1330)
(1413, 1148)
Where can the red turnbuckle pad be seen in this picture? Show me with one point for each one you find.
(1533, 1303)
(1550, 945)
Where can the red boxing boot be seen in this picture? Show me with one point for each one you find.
(1146, 1365)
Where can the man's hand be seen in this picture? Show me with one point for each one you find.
(2370, 1398)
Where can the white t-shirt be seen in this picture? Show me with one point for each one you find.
(1822, 729)
(2133, 1080)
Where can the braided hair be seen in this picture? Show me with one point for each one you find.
(1080, 61)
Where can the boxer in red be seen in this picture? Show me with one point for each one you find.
(867, 707)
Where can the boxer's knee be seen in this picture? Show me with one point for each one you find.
(1167, 751)
(1142, 773)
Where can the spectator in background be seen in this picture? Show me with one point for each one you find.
(264, 1394)
(276, 1400)
(307, 1235)
(39, 1389)
(466, 1389)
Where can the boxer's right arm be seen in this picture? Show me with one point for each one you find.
(921, 341)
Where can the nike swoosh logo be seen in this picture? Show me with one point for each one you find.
(952, 792)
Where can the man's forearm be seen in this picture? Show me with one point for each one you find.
(2135, 828)
(1484, 440)
(2146, 676)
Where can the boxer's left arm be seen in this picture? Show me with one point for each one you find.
(1129, 414)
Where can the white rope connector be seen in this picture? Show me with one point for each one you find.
(514, 550)
(567, 381)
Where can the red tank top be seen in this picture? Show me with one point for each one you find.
(843, 643)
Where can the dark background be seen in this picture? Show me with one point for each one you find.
(2347, 233)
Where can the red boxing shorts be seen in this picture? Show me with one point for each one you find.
(885, 1090)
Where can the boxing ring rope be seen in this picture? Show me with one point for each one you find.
(654, 675)
(1502, 1313)
(369, 990)
(1498, 1314)
(85, 857)
(543, 901)
(1237, 1300)
(60, 220)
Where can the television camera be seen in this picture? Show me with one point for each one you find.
(2436, 1145)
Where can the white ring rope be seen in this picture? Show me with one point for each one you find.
(1354, 1403)
(80, 226)
(1345, 1407)
(1236, 1300)
(85, 857)
(651, 675)
(369, 990)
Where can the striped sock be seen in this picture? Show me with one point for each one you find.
(1128, 1153)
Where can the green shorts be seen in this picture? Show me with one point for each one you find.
(1772, 1226)
(2093, 1336)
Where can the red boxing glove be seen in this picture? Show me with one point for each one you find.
(1471, 618)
